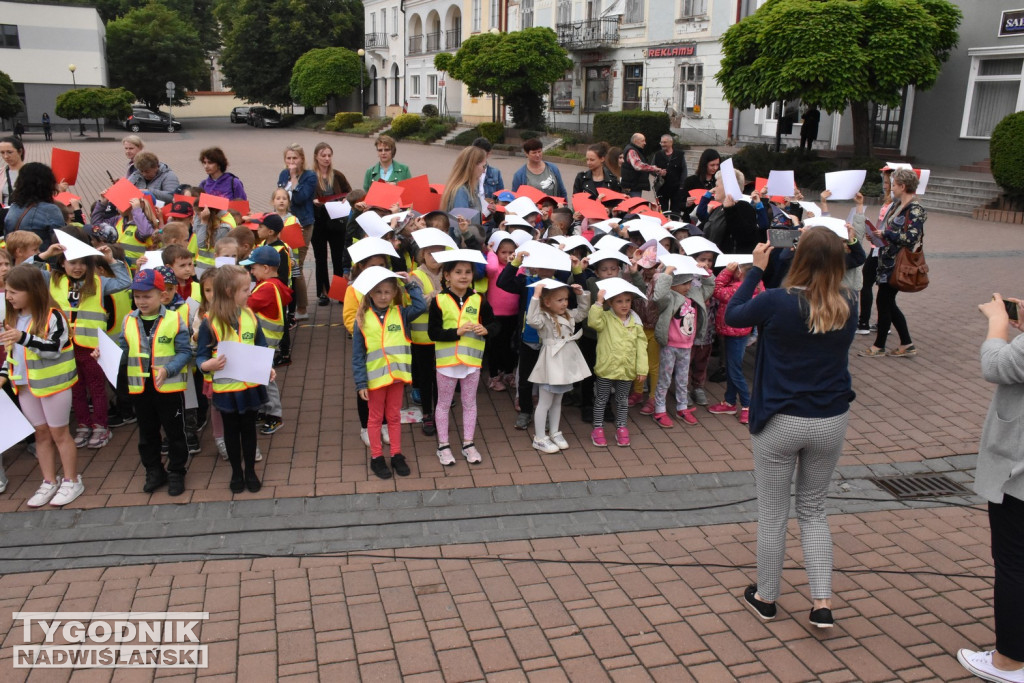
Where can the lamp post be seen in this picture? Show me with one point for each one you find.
(74, 84)
(494, 102)
(362, 53)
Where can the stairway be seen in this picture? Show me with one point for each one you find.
(459, 128)
(958, 195)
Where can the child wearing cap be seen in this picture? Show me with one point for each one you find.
(501, 351)
(268, 232)
(678, 320)
(704, 253)
(726, 285)
(269, 300)
(173, 301)
(157, 352)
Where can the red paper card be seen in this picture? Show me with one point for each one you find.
(609, 195)
(531, 192)
(383, 195)
(214, 202)
(65, 198)
(697, 194)
(437, 187)
(631, 203)
(185, 198)
(416, 192)
(65, 165)
(760, 184)
(338, 287)
(590, 208)
(239, 205)
(432, 202)
(292, 236)
(121, 194)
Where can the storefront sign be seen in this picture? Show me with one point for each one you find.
(1011, 23)
(684, 50)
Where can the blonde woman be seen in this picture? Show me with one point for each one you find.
(331, 185)
(301, 186)
(462, 190)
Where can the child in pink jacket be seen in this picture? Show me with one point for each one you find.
(726, 284)
(501, 353)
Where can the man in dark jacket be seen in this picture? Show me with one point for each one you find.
(673, 161)
(635, 171)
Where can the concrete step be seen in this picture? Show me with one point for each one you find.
(947, 206)
(963, 184)
(459, 128)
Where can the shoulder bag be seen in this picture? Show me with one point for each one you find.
(910, 272)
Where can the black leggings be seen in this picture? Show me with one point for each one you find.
(324, 237)
(1006, 520)
(240, 440)
(604, 387)
(527, 359)
(501, 356)
(890, 314)
(867, 291)
(424, 376)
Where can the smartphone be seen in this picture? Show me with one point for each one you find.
(1011, 310)
(780, 237)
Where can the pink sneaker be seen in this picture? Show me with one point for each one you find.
(497, 383)
(622, 436)
(597, 437)
(687, 415)
(744, 416)
(663, 420)
(723, 408)
(635, 398)
(648, 407)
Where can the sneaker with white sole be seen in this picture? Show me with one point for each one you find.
(44, 494)
(544, 444)
(100, 437)
(444, 454)
(559, 440)
(365, 436)
(471, 454)
(259, 454)
(68, 491)
(980, 664)
(385, 434)
(82, 435)
(222, 449)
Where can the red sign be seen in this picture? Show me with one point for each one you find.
(688, 50)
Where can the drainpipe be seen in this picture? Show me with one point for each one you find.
(732, 110)
(405, 64)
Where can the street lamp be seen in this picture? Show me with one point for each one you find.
(74, 84)
(361, 52)
(494, 102)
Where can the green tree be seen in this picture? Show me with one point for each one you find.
(519, 67)
(837, 54)
(95, 103)
(324, 73)
(10, 103)
(152, 45)
(264, 38)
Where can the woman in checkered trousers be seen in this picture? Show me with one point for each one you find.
(799, 408)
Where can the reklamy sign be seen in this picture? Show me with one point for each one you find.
(1011, 23)
(684, 50)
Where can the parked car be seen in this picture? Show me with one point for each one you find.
(240, 114)
(146, 119)
(263, 117)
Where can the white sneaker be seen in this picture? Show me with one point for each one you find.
(44, 494)
(559, 440)
(69, 490)
(365, 436)
(544, 444)
(980, 664)
(385, 435)
(82, 435)
(222, 449)
(259, 454)
(444, 454)
(302, 316)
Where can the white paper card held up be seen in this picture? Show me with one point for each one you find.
(725, 259)
(74, 248)
(810, 206)
(16, 427)
(922, 183)
(245, 362)
(225, 261)
(729, 182)
(780, 184)
(338, 209)
(844, 184)
(154, 259)
(110, 358)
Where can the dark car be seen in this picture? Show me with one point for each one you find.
(240, 114)
(263, 117)
(146, 119)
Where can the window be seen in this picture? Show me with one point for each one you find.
(526, 14)
(993, 91)
(634, 12)
(415, 86)
(495, 13)
(383, 21)
(593, 9)
(564, 12)
(561, 94)
(632, 85)
(695, 8)
(432, 85)
(691, 82)
(394, 18)
(373, 23)
(476, 16)
(9, 36)
(598, 88)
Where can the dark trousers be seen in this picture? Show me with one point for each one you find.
(501, 356)
(890, 315)
(202, 403)
(324, 237)
(363, 408)
(674, 202)
(240, 440)
(156, 411)
(700, 355)
(867, 294)
(124, 399)
(527, 359)
(1007, 522)
(424, 377)
(588, 347)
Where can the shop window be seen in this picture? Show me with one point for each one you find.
(598, 88)
(632, 85)
(691, 81)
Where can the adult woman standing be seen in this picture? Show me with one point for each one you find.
(460, 191)
(902, 228)
(597, 176)
(538, 173)
(12, 151)
(703, 179)
(1000, 480)
(218, 181)
(132, 145)
(386, 168)
(300, 183)
(799, 408)
(32, 206)
(331, 185)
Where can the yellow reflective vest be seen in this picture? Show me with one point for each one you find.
(273, 328)
(90, 317)
(206, 257)
(45, 377)
(246, 334)
(469, 349)
(388, 356)
(142, 360)
(134, 249)
(418, 327)
(122, 306)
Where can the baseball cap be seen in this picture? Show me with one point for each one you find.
(181, 210)
(273, 222)
(266, 256)
(146, 280)
(168, 274)
(104, 232)
(505, 196)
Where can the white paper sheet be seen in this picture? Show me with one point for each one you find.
(16, 427)
(75, 248)
(810, 206)
(729, 182)
(225, 261)
(922, 183)
(245, 362)
(338, 209)
(836, 225)
(780, 184)
(110, 358)
(725, 259)
(844, 184)
(154, 259)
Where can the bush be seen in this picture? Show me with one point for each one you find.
(432, 129)
(429, 110)
(571, 137)
(369, 126)
(617, 127)
(527, 134)
(405, 125)
(493, 131)
(1006, 150)
(466, 137)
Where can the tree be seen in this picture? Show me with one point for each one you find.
(837, 54)
(519, 67)
(263, 39)
(152, 45)
(95, 103)
(324, 73)
(10, 103)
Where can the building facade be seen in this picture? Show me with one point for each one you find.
(384, 44)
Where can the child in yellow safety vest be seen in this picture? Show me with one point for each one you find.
(458, 321)
(136, 228)
(157, 351)
(382, 358)
(41, 359)
(187, 311)
(424, 371)
(269, 233)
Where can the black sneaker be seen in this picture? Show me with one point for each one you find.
(261, 417)
(379, 467)
(765, 610)
(201, 425)
(175, 483)
(118, 420)
(822, 618)
(323, 301)
(282, 361)
(399, 465)
(428, 425)
(718, 375)
(270, 425)
(237, 484)
(155, 478)
(252, 482)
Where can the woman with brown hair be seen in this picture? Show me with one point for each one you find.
(331, 186)
(300, 183)
(799, 408)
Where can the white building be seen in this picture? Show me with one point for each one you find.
(384, 44)
(432, 26)
(38, 45)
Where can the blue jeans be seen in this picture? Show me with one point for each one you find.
(736, 383)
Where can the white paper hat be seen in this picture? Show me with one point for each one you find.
(654, 232)
(371, 277)
(497, 237)
(548, 283)
(371, 246)
(545, 256)
(659, 249)
(575, 242)
(453, 255)
(521, 206)
(672, 226)
(836, 225)
(634, 225)
(432, 237)
(603, 254)
(521, 237)
(400, 216)
(684, 265)
(614, 286)
(610, 242)
(518, 220)
(606, 225)
(695, 245)
(725, 259)
(557, 239)
(372, 224)
(647, 218)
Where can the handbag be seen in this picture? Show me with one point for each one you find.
(910, 272)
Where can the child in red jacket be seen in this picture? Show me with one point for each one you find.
(269, 301)
(726, 284)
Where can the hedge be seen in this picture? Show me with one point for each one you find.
(344, 120)
(1006, 151)
(617, 127)
(405, 124)
(493, 131)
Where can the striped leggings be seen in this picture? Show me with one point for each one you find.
(812, 447)
(602, 388)
(445, 397)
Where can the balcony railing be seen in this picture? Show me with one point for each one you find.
(453, 39)
(376, 40)
(583, 35)
(434, 41)
(416, 44)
